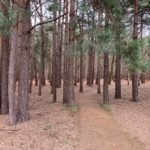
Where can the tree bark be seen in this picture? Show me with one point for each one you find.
(23, 88)
(118, 77)
(90, 64)
(42, 47)
(135, 97)
(59, 49)
(54, 59)
(98, 75)
(106, 79)
(111, 69)
(81, 58)
(4, 75)
(5, 63)
(70, 89)
(65, 77)
(12, 69)
(35, 71)
(76, 72)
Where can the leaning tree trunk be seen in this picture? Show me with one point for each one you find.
(135, 97)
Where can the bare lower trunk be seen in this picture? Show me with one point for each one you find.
(81, 71)
(135, 87)
(90, 67)
(111, 69)
(4, 75)
(35, 71)
(5, 62)
(106, 76)
(98, 75)
(31, 77)
(118, 77)
(76, 72)
(142, 78)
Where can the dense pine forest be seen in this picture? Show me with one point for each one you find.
(74, 74)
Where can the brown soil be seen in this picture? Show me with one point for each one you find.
(123, 125)
(99, 130)
(51, 127)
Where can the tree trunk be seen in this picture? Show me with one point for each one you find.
(42, 47)
(4, 75)
(135, 97)
(54, 64)
(59, 49)
(23, 88)
(135, 87)
(81, 71)
(12, 69)
(76, 72)
(111, 69)
(98, 75)
(70, 61)
(5, 63)
(90, 65)
(142, 77)
(81, 61)
(118, 77)
(106, 79)
(35, 71)
(31, 63)
(65, 77)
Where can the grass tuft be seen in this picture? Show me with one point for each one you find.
(106, 107)
(73, 109)
(47, 127)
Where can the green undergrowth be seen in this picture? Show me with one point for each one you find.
(106, 107)
(73, 109)
(47, 127)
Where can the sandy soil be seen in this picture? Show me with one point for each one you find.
(124, 125)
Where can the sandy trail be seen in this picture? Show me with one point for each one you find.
(98, 130)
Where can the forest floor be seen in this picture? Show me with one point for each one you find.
(124, 125)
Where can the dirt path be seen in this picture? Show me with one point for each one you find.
(98, 130)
